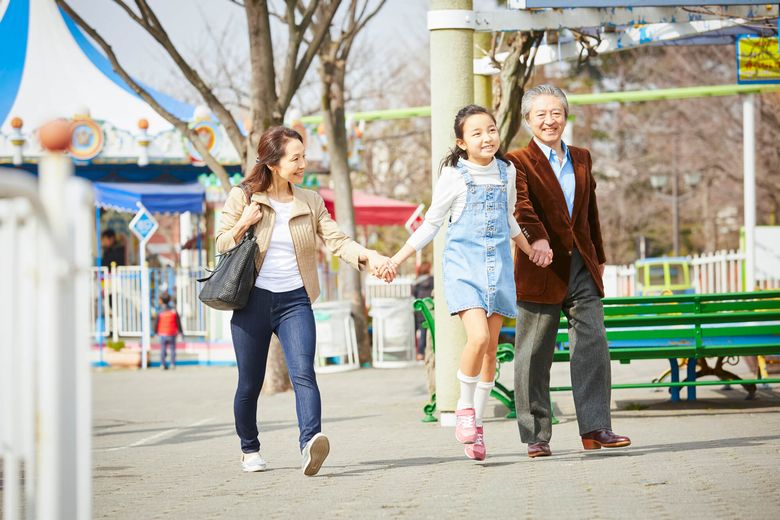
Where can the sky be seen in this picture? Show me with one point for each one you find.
(187, 23)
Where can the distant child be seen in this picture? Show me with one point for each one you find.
(476, 190)
(167, 326)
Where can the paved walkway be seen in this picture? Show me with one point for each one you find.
(165, 447)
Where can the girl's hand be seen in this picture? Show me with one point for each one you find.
(251, 215)
(381, 266)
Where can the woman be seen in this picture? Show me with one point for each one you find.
(286, 221)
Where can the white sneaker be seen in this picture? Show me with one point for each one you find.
(252, 462)
(314, 454)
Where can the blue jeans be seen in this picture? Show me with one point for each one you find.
(290, 317)
(167, 342)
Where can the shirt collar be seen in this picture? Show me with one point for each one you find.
(547, 151)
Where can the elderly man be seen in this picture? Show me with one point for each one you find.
(556, 209)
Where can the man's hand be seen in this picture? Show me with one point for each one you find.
(601, 270)
(541, 254)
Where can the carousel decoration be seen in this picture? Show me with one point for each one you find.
(87, 137)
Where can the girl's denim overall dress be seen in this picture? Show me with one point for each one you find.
(478, 268)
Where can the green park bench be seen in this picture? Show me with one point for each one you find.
(693, 327)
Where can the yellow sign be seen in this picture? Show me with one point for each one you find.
(758, 60)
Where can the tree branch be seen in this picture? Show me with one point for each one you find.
(177, 123)
(154, 28)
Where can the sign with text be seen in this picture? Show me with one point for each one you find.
(758, 60)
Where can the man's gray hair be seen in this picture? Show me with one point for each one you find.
(541, 90)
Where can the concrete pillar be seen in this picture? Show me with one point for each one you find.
(483, 84)
(452, 87)
(749, 189)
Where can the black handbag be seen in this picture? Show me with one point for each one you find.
(227, 287)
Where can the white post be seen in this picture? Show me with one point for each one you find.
(749, 190)
(10, 380)
(57, 351)
(452, 87)
(17, 141)
(114, 290)
(81, 201)
(146, 324)
(143, 226)
(185, 233)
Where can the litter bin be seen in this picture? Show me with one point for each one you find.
(393, 327)
(337, 348)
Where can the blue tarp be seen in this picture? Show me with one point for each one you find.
(157, 198)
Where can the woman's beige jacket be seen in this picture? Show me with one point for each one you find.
(309, 219)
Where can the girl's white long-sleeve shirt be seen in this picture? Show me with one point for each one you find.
(449, 198)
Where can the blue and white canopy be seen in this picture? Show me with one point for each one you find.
(48, 68)
(157, 198)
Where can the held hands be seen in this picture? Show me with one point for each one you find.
(382, 267)
(541, 254)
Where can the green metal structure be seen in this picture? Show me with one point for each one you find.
(582, 99)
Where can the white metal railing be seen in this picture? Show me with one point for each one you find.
(716, 272)
(194, 315)
(45, 388)
(117, 292)
(126, 295)
(100, 309)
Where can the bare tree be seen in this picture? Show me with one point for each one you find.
(334, 54)
(703, 136)
(515, 73)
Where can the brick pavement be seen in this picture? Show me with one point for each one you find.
(164, 447)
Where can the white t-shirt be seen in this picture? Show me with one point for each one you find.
(449, 196)
(279, 272)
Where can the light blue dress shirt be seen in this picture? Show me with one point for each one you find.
(564, 171)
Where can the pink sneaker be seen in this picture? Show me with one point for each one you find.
(465, 426)
(477, 450)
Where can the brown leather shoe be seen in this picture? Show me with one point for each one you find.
(539, 449)
(604, 438)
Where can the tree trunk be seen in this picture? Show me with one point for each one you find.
(263, 97)
(515, 73)
(276, 377)
(334, 119)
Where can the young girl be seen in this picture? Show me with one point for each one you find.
(476, 188)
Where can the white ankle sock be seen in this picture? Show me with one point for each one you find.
(481, 395)
(468, 385)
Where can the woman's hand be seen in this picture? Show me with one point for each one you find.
(381, 266)
(251, 215)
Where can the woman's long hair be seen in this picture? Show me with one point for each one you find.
(456, 153)
(270, 150)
